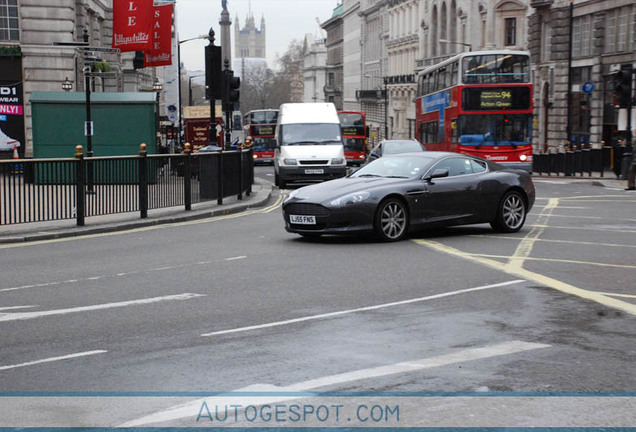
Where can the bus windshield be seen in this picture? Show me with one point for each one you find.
(495, 68)
(263, 117)
(494, 129)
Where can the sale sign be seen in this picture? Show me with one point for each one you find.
(161, 52)
(132, 25)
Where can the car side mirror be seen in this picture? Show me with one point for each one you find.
(437, 173)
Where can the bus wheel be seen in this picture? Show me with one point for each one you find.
(391, 220)
(511, 214)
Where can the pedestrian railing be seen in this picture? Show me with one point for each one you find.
(577, 162)
(37, 190)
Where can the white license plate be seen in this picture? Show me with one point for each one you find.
(302, 220)
(314, 171)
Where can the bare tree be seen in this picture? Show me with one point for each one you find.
(262, 88)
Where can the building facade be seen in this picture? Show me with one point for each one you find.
(576, 48)
(39, 51)
(314, 69)
(335, 55)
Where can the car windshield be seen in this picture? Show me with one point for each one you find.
(311, 133)
(395, 167)
(393, 147)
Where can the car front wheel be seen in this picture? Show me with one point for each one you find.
(391, 220)
(511, 214)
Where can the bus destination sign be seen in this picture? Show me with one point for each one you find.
(496, 98)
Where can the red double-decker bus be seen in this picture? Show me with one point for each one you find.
(260, 127)
(478, 103)
(355, 136)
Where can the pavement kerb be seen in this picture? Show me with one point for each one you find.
(256, 199)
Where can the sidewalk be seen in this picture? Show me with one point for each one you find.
(34, 231)
(609, 181)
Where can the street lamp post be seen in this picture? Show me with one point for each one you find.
(470, 47)
(157, 87)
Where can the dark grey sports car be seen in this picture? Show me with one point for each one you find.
(396, 194)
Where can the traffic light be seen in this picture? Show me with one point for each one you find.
(213, 73)
(623, 86)
(231, 86)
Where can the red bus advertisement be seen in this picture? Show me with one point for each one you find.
(478, 103)
(354, 136)
(261, 127)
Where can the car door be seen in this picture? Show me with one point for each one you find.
(454, 198)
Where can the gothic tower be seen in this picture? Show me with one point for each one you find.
(249, 42)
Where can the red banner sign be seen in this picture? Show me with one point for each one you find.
(161, 52)
(132, 25)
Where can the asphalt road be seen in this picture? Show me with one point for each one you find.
(235, 302)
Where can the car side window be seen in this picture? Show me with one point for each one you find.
(478, 166)
(456, 166)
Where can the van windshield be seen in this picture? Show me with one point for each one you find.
(310, 134)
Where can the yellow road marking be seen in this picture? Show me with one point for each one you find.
(527, 243)
(514, 264)
(619, 295)
(557, 241)
(566, 261)
(535, 277)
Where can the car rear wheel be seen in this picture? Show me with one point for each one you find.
(391, 220)
(511, 214)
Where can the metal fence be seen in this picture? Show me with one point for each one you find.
(578, 162)
(36, 190)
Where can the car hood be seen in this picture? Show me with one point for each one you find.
(336, 188)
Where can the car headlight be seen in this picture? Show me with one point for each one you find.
(288, 161)
(350, 199)
(337, 161)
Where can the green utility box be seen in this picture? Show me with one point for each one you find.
(121, 122)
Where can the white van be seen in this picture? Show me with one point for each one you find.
(308, 144)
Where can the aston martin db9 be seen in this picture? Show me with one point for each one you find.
(397, 194)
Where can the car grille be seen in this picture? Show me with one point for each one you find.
(313, 162)
(306, 209)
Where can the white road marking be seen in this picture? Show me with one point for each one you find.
(190, 409)
(53, 359)
(236, 258)
(32, 315)
(362, 309)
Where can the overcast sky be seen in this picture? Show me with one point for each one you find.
(285, 20)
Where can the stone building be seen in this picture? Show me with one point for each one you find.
(573, 98)
(250, 41)
(371, 94)
(398, 38)
(39, 51)
(314, 68)
(335, 49)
